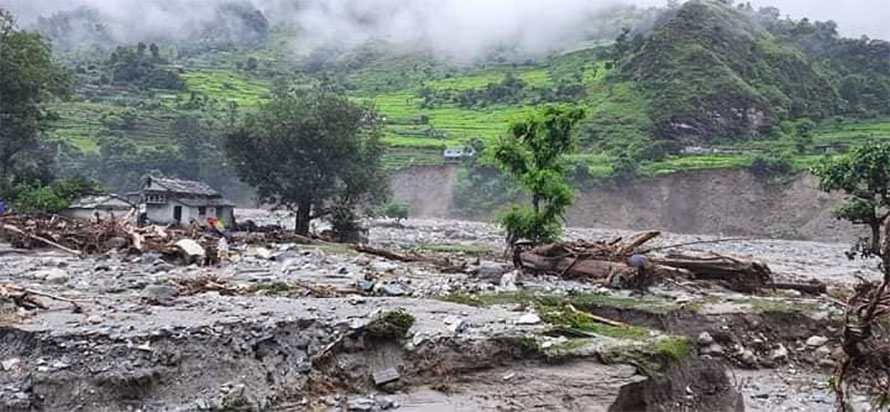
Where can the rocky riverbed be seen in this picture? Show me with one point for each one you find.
(137, 342)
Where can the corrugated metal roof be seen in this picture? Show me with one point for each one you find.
(101, 202)
(184, 186)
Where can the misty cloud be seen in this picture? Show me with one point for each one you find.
(455, 28)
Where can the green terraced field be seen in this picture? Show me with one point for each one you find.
(227, 86)
(618, 121)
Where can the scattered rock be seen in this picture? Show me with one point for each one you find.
(705, 339)
(823, 352)
(94, 319)
(383, 266)
(361, 404)
(529, 319)
(391, 289)
(816, 341)
(160, 294)
(780, 354)
(54, 275)
(454, 323)
(116, 242)
(190, 248)
(386, 376)
(10, 363)
(748, 358)
(508, 282)
(714, 349)
(489, 270)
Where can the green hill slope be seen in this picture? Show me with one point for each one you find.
(735, 82)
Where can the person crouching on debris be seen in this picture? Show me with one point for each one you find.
(642, 279)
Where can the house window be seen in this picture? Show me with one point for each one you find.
(155, 199)
(202, 210)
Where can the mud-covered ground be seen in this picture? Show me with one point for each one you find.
(139, 344)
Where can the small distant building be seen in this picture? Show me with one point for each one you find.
(695, 150)
(836, 147)
(104, 207)
(175, 201)
(455, 153)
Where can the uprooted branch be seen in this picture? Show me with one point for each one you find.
(444, 265)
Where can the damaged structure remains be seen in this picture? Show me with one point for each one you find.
(105, 207)
(175, 201)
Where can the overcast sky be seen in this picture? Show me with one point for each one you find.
(464, 21)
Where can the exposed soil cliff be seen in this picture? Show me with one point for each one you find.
(714, 202)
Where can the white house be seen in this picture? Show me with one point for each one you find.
(458, 152)
(174, 201)
(105, 207)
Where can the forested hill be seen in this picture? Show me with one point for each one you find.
(738, 85)
(717, 72)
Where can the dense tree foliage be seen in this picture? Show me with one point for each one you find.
(863, 176)
(127, 66)
(533, 154)
(510, 90)
(29, 79)
(313, 152)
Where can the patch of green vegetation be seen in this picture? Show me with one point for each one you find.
(578, 321)
(469, 249)
(391, 325)
(580, 301)
(675, 347)
(569, 347)
(275, 289)
(226, 86)
(650, 357)
(763, 305)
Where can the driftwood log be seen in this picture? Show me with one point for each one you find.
(603, 260)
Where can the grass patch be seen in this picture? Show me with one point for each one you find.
(762, 306)
(391, 325)
(651, 357)
(581, 301)
(472, 249)
(577, 321)
(275, 289)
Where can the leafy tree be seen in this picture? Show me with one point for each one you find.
(803, 131)
(864, 176)
(36, 198)
(29, 79)
(533, 154)
(308, 151)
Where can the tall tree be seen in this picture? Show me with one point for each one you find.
(864, 177)
(312, 152)
(533, 154)
(28, 78)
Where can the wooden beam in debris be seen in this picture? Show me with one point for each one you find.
(16, 230)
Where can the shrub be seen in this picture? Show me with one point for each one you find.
(397, 211)
(773, 165)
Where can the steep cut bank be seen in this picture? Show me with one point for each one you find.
(727, 202)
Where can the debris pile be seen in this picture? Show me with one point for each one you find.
(624, 263)
(89, 237)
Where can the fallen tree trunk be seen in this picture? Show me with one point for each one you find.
(444, 265)
(811, 288)
(575, 268)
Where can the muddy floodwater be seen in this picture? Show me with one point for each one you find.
(139, 341)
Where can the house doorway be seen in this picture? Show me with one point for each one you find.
(177, 214)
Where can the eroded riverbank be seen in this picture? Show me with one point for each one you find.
(477, 343)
